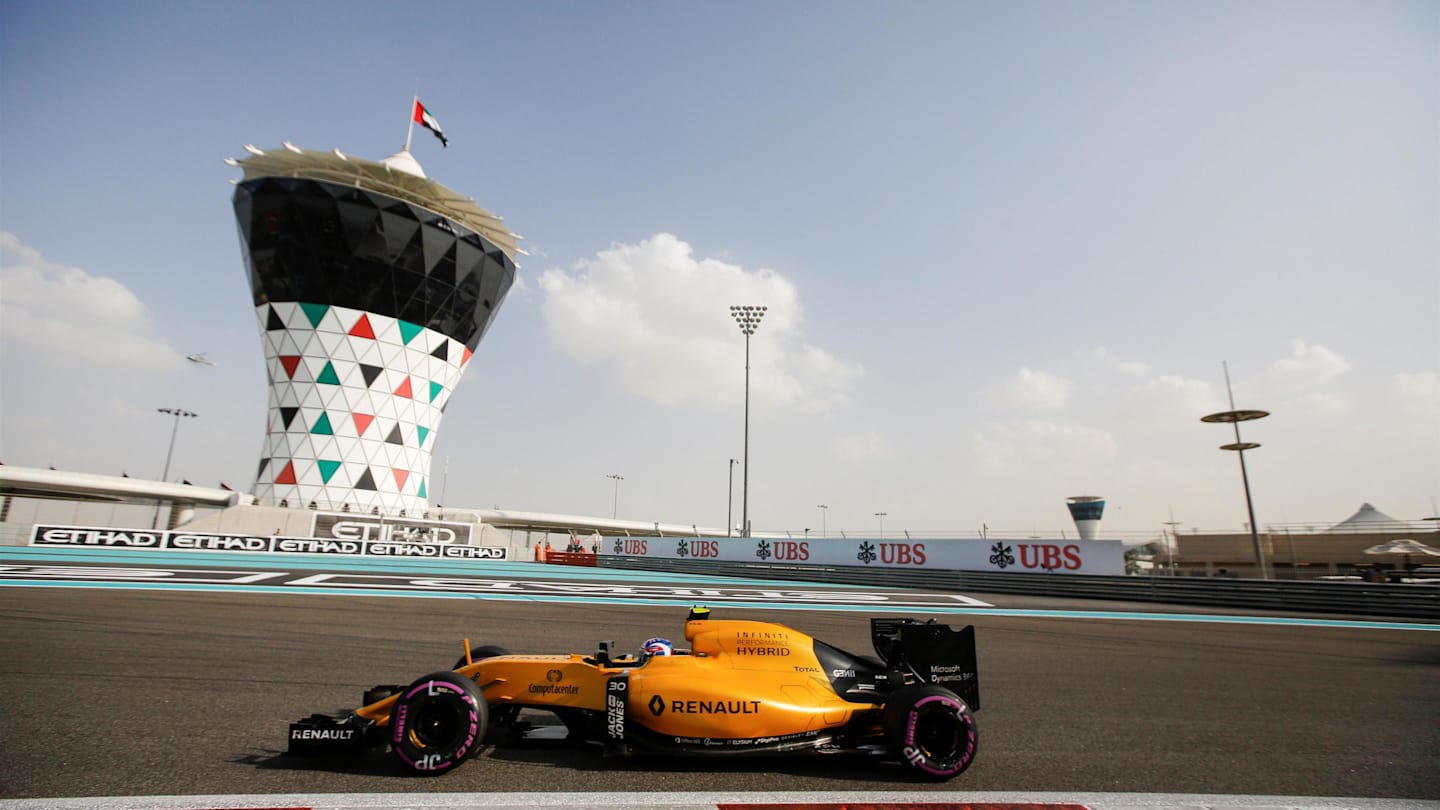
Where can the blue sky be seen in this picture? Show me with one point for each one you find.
(1006, 248)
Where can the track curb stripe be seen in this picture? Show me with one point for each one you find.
(890, 800)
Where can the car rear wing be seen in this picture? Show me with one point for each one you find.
(932, 652)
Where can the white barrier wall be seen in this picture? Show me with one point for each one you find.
(1105, 557)
(161, 540)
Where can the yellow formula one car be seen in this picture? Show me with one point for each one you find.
(743, 687)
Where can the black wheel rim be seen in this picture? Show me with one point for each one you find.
(939, 734)
(436, 724)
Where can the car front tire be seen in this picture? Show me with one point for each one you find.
(437, 723)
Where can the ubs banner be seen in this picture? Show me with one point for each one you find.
(376, 545)
(1026, 556)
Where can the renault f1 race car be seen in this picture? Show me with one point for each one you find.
(743, 687)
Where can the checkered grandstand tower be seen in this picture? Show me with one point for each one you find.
(372, 287)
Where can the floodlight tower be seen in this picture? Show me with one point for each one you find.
(615, 503)
(748, 318)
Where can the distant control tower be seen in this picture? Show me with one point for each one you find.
(1086, 510)
(372, 287)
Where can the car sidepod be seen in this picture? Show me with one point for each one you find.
(746, 687)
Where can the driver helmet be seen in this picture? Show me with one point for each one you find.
(658, 646)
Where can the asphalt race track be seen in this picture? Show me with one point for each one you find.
(136, 692)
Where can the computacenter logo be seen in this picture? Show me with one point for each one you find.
(552, 685)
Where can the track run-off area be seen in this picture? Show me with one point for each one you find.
(140, 673)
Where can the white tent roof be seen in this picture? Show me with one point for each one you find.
(1403, 546)
(1366, 517)
(398, 175)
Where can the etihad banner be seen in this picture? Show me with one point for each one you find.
(1026, 556)
(374, 528)
(94, 537)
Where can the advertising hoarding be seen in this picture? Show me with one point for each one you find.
(1105, 557)
(96, 537)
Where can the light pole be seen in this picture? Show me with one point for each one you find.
(748, 318)
(1173, 544)
(1234, 418)
(882, 515)
(178, 413)
(615, 507)
(823, 509)
(730, 500)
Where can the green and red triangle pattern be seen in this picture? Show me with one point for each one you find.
(348, 391)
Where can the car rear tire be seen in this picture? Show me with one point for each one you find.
(437, 723)
(930, 730)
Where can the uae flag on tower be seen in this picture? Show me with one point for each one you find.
(425, 119)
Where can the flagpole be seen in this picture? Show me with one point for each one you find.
(411, 131)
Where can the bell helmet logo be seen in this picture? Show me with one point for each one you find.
(657, 705)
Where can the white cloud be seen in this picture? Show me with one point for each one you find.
(862, 446)
(1130, 368)
(1418, 396)
(1021, 445)
(1308, 366)
(62, 312)
(1320, 405)
(658, 319)
(1031, 390)
(1170, 401)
